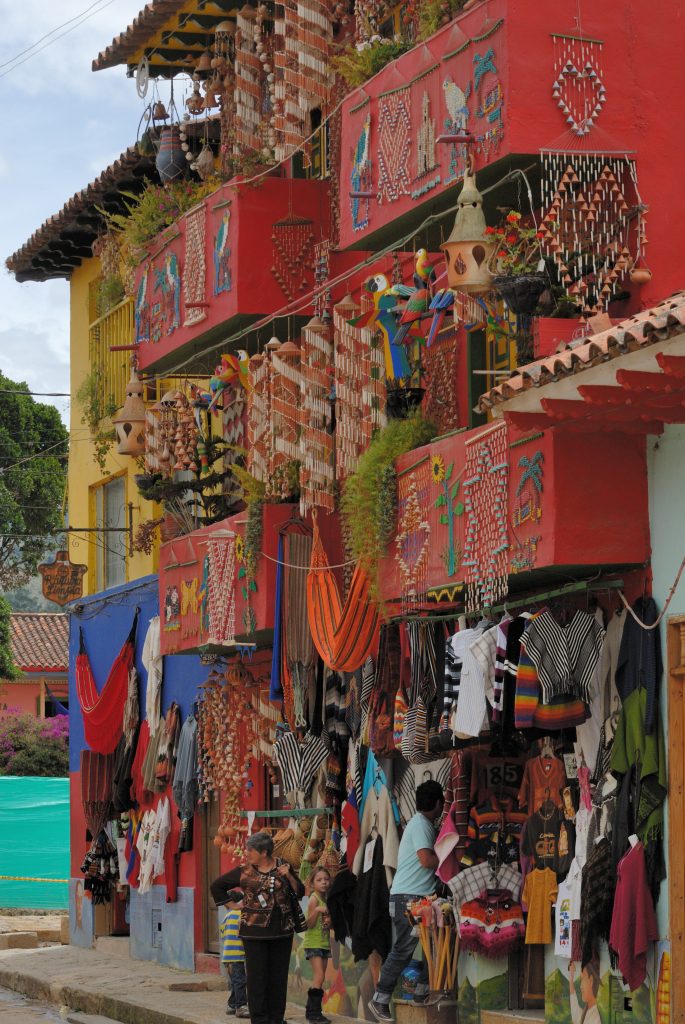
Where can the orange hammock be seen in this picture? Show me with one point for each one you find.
(103, 713)
(343, 636)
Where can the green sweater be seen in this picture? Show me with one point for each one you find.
(632, 746)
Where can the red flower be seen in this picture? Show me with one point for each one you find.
(502, 252)
(490, 231)
(539, 234)
(513, 217)
(511, 239)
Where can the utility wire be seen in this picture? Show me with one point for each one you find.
(35, 49)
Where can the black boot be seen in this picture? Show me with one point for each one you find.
(313, 1009)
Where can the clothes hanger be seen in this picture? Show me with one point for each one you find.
(547, 750)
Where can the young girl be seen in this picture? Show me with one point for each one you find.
(317, 943)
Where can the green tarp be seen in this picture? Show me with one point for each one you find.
(34, 841)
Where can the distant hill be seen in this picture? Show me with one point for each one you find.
(30, 598)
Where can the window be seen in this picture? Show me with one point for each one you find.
(110, 548)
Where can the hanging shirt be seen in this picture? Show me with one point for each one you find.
(378, 819)
(539, 893)
(567, 911)
(543, 779)
(633, 922)
(565, 656)
(153, 663)
(460, 646)
(470, 883)
(185, 787)
(299, 762)
(477, 684)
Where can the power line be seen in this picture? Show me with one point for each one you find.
(38, 394)
(50, 33)
(35, 49)
(29, 458)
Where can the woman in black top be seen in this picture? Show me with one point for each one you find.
(267, 925)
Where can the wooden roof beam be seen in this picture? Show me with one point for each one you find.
(642, 381)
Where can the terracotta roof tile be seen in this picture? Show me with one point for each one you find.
(72, 228)
(40, 641)
(128, 42)
(645, 328)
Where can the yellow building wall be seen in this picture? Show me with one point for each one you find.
(84, 473)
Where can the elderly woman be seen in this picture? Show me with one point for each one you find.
(267, 925)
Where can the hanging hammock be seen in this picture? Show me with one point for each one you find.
(103, 713)
(343, 636)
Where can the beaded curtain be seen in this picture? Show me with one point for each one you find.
(293, 257)
(248, 91)
(317, 478)
(258, 418)
(234, 429)
(440, 367)
(221, 589)
(285, 381)
(486, 546)
(349, 434)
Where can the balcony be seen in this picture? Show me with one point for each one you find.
(494, 83)
(110, 367)
(245, 251)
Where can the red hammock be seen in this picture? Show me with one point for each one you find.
(103, 713)
(343, 636)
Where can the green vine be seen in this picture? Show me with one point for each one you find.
(433, 14)
(369, 500)
(362, 61)
(96, 406)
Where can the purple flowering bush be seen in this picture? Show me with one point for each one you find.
(31, 746)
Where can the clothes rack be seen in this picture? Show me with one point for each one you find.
(296, 812)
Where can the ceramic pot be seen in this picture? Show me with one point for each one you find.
(640, 275)
(522, 292)
(171, 160)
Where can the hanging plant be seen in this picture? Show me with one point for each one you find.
(96, 407)
(362, 61)
(433, 14)
(368, 505)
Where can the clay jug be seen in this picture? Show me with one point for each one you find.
(171, 162)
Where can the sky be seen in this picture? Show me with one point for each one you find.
(63, 125)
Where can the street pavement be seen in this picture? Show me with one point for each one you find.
(15, 1009)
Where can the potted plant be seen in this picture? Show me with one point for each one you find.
(514, 264)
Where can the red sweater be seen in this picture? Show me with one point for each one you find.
(633, 922)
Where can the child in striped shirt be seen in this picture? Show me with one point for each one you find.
(233, 955)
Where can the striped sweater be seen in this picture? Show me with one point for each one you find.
(232, 949)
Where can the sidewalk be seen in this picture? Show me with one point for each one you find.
(119, 988)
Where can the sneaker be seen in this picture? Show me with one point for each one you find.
(381, 1011)
(230, 1011)
(242, 1012)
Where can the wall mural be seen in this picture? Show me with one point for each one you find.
(222, 256)
(361, 177)
(166, 312)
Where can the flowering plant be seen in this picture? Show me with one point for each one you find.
(517, 248)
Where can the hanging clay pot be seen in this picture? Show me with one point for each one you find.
(640, 275)
(170, 160)
(204, 165)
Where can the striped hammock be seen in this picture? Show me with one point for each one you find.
(345, 635)
(103, 713)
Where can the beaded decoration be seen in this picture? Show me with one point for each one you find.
(317, 477)
(412, 543)
(222, 256)
(426, 155)
(449, 508)
(524, 555)
(456, 122)
(361, 178)
(234, 430)
(221, 589)
(194, 267)
(485, 499)
(285, 416)
(293, 255)
(394, 145)
(528, 506)
(322, 273)
(248, 83)
(578, 88)
(166, 314)
(142, 311)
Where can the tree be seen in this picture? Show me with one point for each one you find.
(29, 746)
(8, 669)
(31, 491)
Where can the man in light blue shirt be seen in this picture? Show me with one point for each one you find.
(415, 877)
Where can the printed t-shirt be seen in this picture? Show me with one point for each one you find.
(567, 911)
(549, 839)
(411, 878)
(539, 893)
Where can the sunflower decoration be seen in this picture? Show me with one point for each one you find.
(239, 549)
(437, 469)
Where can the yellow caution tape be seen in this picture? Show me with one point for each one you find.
(20, 878)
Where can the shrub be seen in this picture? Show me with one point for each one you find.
(29, 746)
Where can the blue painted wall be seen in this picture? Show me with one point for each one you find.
(106, 620)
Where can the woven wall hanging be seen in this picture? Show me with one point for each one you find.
(394, 145)
(412, 543)
(317, 477)
(194, 272)
(222, 256)
(486, 501)
(293, 255)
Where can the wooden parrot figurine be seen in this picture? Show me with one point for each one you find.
(232, 370)
(383, 316)
(418, 302)
(442, 301)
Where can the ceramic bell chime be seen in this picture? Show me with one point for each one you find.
(129, 422)
(468, 249)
